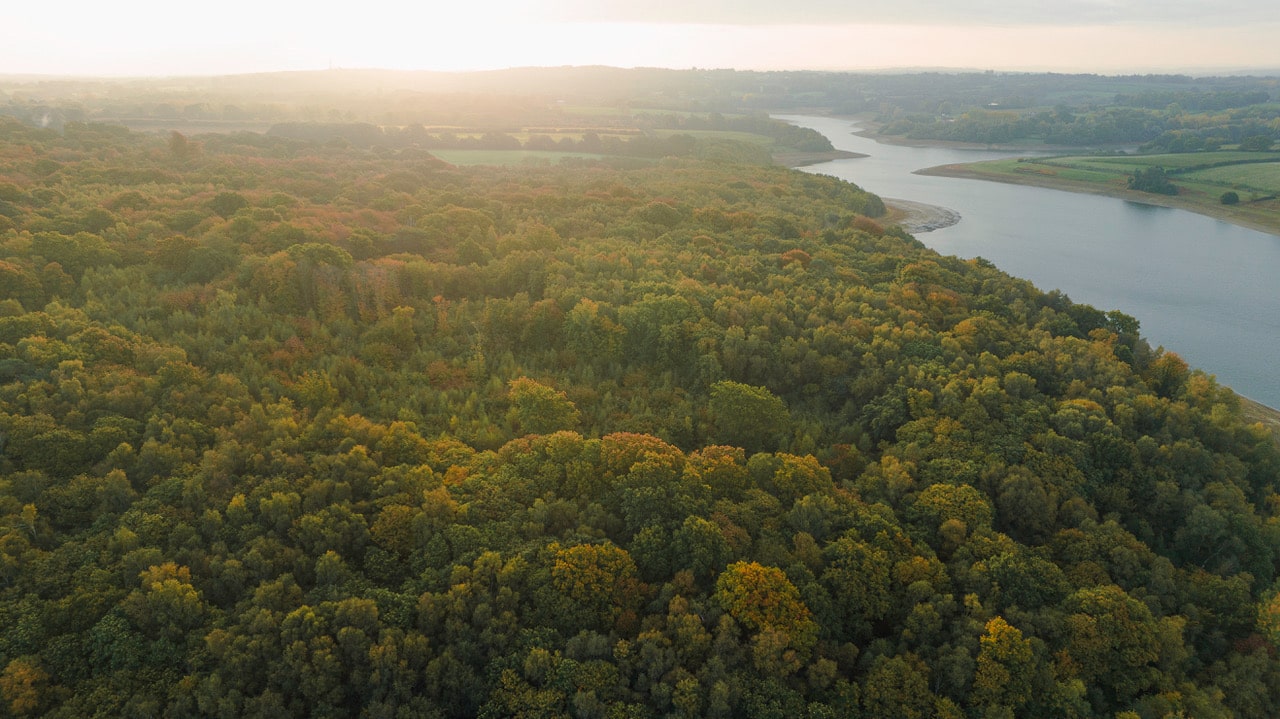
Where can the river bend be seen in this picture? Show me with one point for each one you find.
(1199, 286)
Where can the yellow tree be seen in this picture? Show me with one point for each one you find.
(598, 578)
(21, 684)
(539, 409)
(1004, 672)
(166, 604)
(764, 601)
(1269, 617)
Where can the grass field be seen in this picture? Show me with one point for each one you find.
(1264, 178)
(509, 157)
(1204, 171)
(1080, 173)
(1255, 177)
(720, 135)
(595, 111)
(1179, 161)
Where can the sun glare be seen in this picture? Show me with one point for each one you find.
(153, 38)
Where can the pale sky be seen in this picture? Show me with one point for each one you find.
(161, 37)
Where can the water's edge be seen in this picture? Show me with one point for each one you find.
(1199, 286)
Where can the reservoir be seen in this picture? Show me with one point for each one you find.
(1200, 287)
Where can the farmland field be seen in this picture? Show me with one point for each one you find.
(1255, 176)
(720, 135)
(510, 157)
(1263, 177)
(1178, 161)
(1247, 170)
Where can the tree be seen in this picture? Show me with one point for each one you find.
(166, 604)
(1256, 143)
(699, 546)
(1230, 197)
(598, 579)
(749, 417)
(179, 147)
(1153, 179)
(1005, 667)
(898, 688)
(860, 577)
(539, 409)
(1112, 640)
(227, 204)
(1269, 617)
(950, 512)
(790, 477)
(762, 599)
(21, 685)
(592, 334)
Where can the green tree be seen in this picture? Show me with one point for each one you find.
(1256, 143)
(1153, 179)
(898, 687)
(227, 204)
(749, 417)
(1113, 641)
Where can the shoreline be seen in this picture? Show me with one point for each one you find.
(907, 212)
(918, 217)
(1223, 213)
(804, 159)
(1255, 411)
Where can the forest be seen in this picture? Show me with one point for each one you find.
(1171, 129)
(1163, 113)
(304, 427)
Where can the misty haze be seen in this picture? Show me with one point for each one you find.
(596, 359)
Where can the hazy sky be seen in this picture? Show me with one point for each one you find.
(155, 37)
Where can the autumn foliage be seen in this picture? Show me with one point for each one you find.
(299, 428)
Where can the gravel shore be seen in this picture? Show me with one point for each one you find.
(917, 217)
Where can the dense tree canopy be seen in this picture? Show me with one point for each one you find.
(384, 437)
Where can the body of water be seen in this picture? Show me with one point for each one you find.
(1200, 287)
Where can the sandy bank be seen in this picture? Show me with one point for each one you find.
(917, 217)
(1258, 412)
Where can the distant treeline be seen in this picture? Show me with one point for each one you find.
(1195, 100)
(364, 135)
(620, 141)
(1168, 130)
(547, 96)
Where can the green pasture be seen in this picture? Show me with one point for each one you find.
(1256, 181)
(1262, 177)
(595, 111)
(720, 135)
(1254, 172)
(1177, 161)
(510, 157)
(576, 134)
(1034, 168)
